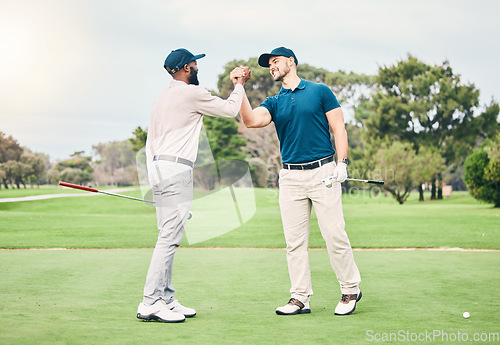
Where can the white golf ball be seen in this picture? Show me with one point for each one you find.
(466, 315)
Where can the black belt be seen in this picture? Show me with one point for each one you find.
(173, 159)
(308, 166)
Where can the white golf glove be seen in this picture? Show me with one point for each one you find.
(340, 172)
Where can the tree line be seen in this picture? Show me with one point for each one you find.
(19, 165)
(112, 163)
(412, 125)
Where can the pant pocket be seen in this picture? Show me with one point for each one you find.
(188, 178)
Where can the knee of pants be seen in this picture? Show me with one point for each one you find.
(296, 248)
(338, 245)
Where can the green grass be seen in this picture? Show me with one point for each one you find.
(100, 221)
(91, 296)
(28, 191)
(43, 189)
(96, 221)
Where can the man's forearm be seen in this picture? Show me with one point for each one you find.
(341, 144)
(246, 112)
(336, 120)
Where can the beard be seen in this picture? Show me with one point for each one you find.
(193, 77)
(281, 73)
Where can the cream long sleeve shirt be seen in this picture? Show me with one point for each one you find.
(177, 117)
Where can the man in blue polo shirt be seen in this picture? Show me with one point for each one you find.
(303, 113)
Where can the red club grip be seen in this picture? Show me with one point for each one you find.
(76, 186)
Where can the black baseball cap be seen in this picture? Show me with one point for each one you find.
(280, 51)
(178, 58)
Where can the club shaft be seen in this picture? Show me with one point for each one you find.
(366, 181)
(125, 196)
(88, 189)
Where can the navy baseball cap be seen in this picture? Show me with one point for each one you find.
(178, 58)
(281, 51)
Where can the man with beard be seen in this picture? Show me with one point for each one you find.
(171, 149)
(302, 113)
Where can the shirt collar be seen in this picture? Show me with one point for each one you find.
(174, 83)
(301, 86)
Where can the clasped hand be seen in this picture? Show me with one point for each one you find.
(240, 75)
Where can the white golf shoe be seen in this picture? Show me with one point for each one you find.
(347, 304)
(293, 307)
(158, 311)
(179, 308)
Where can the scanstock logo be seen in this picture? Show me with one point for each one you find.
(223, 197)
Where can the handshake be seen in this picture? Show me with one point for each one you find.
(240, 75)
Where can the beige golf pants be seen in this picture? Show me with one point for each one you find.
(299, 190)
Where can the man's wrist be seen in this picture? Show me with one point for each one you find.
(344, 160)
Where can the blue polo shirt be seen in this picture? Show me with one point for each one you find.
(301, 123)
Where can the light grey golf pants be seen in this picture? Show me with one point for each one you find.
(172, 186)
(299, 190)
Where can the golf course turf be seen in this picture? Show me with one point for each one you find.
(90, 296)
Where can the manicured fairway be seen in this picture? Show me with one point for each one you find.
(43, 189)
(91, 296)
(99, 221)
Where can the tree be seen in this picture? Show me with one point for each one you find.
(395, 163)
(15, 173)
(18, 164)
(428, 106)
(38, 163)
(429, 164)
(10, 150)
(10, 153)
(73, 175)
(139, 139)
(482, 172)
(76, 169)
(115, 163)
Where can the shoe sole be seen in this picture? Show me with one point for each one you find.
(300, 311)
(157, 318)
(353, 309)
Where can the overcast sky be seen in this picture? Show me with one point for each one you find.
(77, 73)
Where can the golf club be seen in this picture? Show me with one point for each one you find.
(88, 189)
(329, 180)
